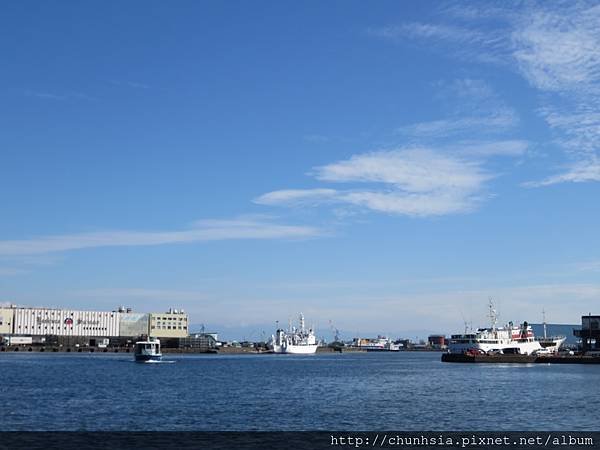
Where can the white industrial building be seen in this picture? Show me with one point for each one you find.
(65, 322)
(21, 321)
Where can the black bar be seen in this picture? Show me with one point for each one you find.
(330, 440)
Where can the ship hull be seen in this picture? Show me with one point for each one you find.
(552, 344)
(147, 358)
(523, 348)
(295, 349)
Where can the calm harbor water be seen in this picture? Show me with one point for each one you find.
(405, 391)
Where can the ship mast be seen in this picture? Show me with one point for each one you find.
(544, 322)
(493, 315)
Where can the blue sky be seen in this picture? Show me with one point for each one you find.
(387, 167)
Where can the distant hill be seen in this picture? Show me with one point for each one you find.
(557, 329)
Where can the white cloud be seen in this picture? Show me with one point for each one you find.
(297, 196)
(464, 39)
(578, 172)
(411, 170)
(559, 49)
(406, 181)
(555, 47)
(441, 32)
(496, 122)
(476, 111)
(203, 231)
(409, 204)
(59, 97)
(488, 149)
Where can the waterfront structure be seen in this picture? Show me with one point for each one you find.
(6, 320)
(198, 341)
(437, 341)
(65, 322)
(589, 334)
(133, 324)
(170, 324)
(71, 326)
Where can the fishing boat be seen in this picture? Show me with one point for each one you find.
(298, 341)
(147, 351)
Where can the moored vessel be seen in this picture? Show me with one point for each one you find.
(378, 344)
(550, 344)
(147, 351)
(298, 341)
(507, 339)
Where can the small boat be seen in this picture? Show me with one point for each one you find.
(147, 351)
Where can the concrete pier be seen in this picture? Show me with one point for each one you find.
(519, 359)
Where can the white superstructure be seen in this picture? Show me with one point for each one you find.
(300, 340)
(147, 351)
(507, 339)
(550, 343)
(380, 343)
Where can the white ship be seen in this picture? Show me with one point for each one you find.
(379, 344)
(300, 341)
(551, 344)
(509, 339)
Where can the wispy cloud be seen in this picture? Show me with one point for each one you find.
(475, 110)
(463, 39)
(579, 172)
(495, 122)
(554, 46)
(406, 181)
(441, 32)
(557, 48)
(131, 84)
(205, 230)
(558, 52)
(58, 96)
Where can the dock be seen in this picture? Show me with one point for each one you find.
(519, 359)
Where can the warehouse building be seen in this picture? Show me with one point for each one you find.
(170, 324)
(65, 322)
(589, 334)
(6, 320)
(133, 324)
(70, 323)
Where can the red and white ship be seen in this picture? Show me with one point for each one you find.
(506, 339)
